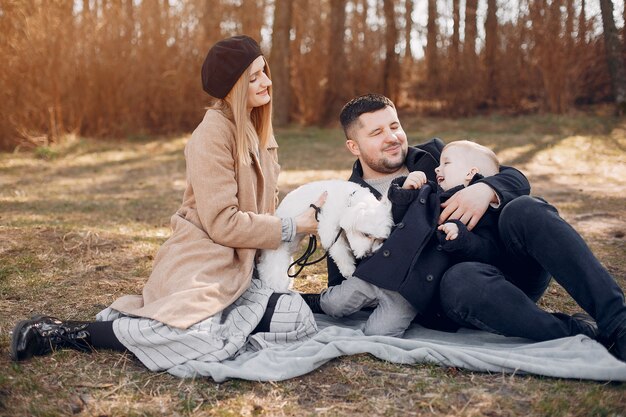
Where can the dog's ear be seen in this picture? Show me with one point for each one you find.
(352, 216)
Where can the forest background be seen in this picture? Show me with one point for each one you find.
(125, 68)
(98, 98)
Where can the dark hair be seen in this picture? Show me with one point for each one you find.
(367, 103)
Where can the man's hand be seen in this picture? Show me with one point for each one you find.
(450, 229)
(468, 205)
(414, 180)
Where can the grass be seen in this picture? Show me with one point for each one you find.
(81, 221)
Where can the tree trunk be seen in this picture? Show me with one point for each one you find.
(129, 18)
(569, 25)
(336, 66)
(252, 18)
(391, 71)
(469, 45)
(491, 45)
(468, 85)
(86, 9)
(211, 18)
(613, 56)
(624, 31)
(280, 60)
(432, 65)
(361, 52)
(408, 50)
(572, 67)
(456, 27)
(582, 25)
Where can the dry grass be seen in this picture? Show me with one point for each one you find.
(80, 223)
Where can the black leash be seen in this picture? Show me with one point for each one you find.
(303, 260)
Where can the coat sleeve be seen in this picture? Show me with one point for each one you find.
(479, 245)
(273, 151)
(211, 172)
(401, 199)
(509, 184)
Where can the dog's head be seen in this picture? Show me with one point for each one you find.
(367, 223)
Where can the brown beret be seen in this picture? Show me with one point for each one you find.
(225, 63)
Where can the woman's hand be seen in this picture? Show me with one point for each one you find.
(306, 222)
(468, 205)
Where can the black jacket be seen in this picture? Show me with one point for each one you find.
(411, 261)
(482, 244)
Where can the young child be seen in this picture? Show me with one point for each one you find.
(462, 163)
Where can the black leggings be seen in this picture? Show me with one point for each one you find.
(102, 336)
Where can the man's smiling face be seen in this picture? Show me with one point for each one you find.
(379, 142)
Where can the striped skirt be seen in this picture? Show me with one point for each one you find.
(222, 336)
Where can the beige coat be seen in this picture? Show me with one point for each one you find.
(225, 217)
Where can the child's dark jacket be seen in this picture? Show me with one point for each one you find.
(416, 255)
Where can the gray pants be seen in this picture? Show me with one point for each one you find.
(393, 313)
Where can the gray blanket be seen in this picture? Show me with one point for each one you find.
(575, 357)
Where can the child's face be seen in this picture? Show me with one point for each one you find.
(455, 168)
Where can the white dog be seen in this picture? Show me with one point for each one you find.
(352, 224)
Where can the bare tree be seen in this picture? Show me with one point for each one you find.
(452, 70)
(582, 24)
(614, 59)
(251, 12)
(408, 28)
(491, 45)
(336, 66)
(136, 63)
(211, 18)
(364, 65)
(391, 71)
(281, 61)
(469, 44)
(624, 30)
(467, 91)
(548, 52)
(569, 25)
(456, 29)
(432, 65)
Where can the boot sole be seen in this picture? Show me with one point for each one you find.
(14, 340)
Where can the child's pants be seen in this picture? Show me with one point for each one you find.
(393, 313)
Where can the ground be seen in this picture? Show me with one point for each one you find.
(81, 221)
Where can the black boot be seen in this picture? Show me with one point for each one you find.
(587, 325)
(617, 344)
(313, 301)
(42, 334)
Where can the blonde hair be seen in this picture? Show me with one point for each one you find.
(253, 130)
(484, 158)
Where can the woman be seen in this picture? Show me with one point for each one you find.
(201, 301)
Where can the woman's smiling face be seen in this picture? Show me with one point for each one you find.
(258, 88)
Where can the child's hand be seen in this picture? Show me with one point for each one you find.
(450, 229)
(414, 180)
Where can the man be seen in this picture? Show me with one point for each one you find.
(538, 244)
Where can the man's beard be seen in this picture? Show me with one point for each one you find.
(384, 165)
